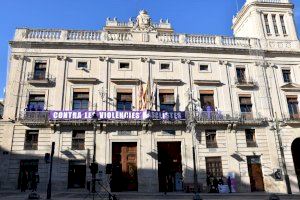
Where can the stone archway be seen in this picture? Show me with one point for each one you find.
(296, 158)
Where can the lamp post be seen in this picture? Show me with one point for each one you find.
(50, 176)
(278, 134)
(94, 166)
(191, 124)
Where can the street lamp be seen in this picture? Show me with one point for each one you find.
(286, 176)
(191, 124)
(94, 166)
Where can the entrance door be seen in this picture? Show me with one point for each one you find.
(28, 168)
(255, 173)
(169, 166)
(296, 158)
(124, 171)
(77, 174)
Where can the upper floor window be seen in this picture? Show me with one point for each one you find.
(31, 140)
(40, 70)
(78, 138)
(165, 67)
(292, 102)
(246, 107)
(167, 102)
(282, 25)
(203, 68)
(124, 101)
(267, 24)
(275, 24)
(207, 100)
(250, 137)
(124, 66)
(241, 74)
(211, 139)
(80, 99)
(286, 73)
(36, 102)
(82, 65)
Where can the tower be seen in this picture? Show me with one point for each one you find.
(266, 19)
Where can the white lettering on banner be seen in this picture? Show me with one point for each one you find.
(55, 115)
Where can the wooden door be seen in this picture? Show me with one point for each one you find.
(124, 167)
(255, 174)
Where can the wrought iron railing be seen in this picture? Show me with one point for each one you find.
(245, 82)
(292, 117)
(32, 76)
(212, 116)
(34, 117)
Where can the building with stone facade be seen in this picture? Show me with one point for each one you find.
(150, 96)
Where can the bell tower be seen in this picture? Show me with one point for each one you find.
(266, 19)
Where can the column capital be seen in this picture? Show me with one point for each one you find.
(146, 59)
(105, 58)
(187, 61)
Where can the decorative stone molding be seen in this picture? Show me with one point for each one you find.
(187, 61)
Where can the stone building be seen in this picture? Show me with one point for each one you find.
(151, 96)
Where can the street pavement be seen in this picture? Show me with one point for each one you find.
(17, 195)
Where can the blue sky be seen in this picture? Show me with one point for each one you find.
(186, 16)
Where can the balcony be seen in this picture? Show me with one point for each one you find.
(245, 83)
(40, 79)
(34, 117)
(250, 119)
(212, 117)
(292, 118)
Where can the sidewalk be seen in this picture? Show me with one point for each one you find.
(17, 195)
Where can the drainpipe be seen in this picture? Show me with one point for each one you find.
(64, 80)
(229, 86)
(268, 90)
(276, 85)
(18, 57)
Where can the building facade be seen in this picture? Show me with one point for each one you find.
(148, 97)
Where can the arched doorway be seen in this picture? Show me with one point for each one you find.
(296, 158)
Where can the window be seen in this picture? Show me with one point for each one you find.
(267, 24)
(283, 25)
(31, 140)
(292, 102)
(39, 70)
(36, 102)
(165, 67)
(250, 138)
(78, 137)
(169, 132)
(124, 101)
(203, 68)
(211, 139)
(214, 166)
(124, 65)
(167, 102)
(82, 65)
(207, 100)
(80, 99)
(241, 75)
(275, 24)
(286, 73)
(246, 107)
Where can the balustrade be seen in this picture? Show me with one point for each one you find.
(84, 35)
(200, 39)
(43, 34)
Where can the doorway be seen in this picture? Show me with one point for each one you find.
(28, 168)
(77, 174)
(255, 174)
(124, 167)
(296, 158)
(169, 166)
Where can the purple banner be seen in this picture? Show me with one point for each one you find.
(116, 115)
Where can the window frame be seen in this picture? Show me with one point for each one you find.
(29, 100)
(216, 163)
(124, 101)
(88, 63)
(30, 144)
(252, 142)
(76, 145)
(211, 143)
(125, 69)
(204, 71)
(290, 75)
(275, 26)
(283, 24)
(88, 104)
(166, 63)
(167, 105)
(267, 24)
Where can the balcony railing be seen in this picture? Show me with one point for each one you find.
(34, 117)
(40, 78)
(249, 117)
(245, 82)
(211, 116)
(292, 118)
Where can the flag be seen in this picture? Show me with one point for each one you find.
(140, 104)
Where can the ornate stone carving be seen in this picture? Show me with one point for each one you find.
(143, 22)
